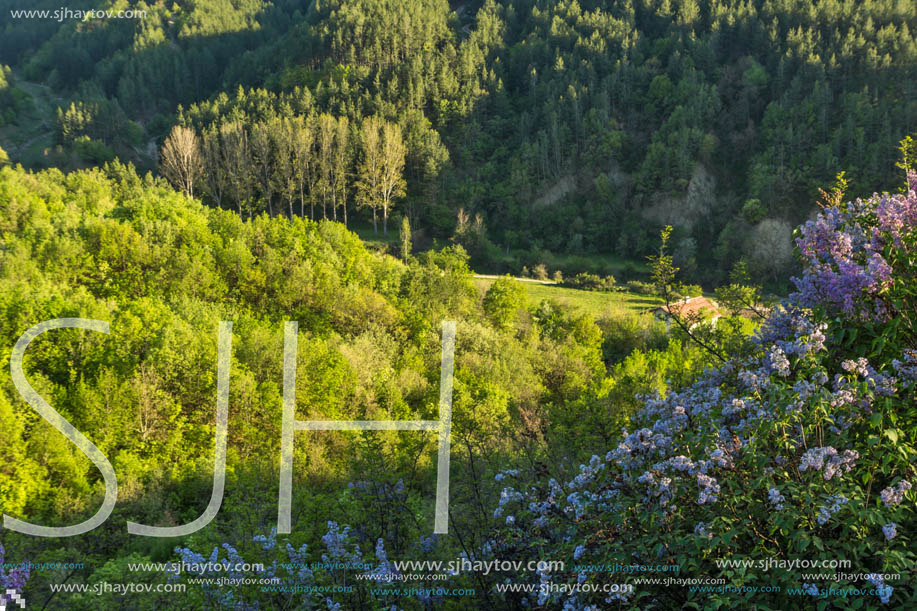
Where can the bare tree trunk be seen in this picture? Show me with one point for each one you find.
(345, 215)
(385, 219)
(375, 226)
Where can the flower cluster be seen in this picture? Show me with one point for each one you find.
(832, 506)
(231, 563)
(336, 541)
(893, 495)
(883, 589)
(701, 530)
(908, 367)
(890, 531)
(842, 267)
(776, 499)
(847, 267)
(827, 457)
(709, 489)
(14, 578)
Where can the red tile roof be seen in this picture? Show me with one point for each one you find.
(692, 306)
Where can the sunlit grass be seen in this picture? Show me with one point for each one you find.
(596, 303)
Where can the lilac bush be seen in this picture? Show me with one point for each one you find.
(292, 576)
(846, 252)
(793, 452)
(12, 579)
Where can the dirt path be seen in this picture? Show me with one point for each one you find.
(492, 277)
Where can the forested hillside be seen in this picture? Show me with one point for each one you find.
(569, 127)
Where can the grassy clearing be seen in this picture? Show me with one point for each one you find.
(376, 241)
(596, 303)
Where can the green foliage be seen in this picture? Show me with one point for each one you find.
(643, 288)
(405, 237)
(93, 150)
(753, 211)
(503, 300)
(561, 125)
(591, 282)
(14, 102)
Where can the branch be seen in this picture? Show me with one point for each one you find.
(676, 316)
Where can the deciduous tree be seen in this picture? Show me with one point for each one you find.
(180, 159)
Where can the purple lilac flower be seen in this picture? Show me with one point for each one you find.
(778, 362)
(335, 541)
(504, 474)
(776, 499)
(883, 590)
(709, 489)
(509, 494)
(827, 457)
(859, 366)
(845, 268)
(890, 531)
(892, 496)
(833, 505)
(622, 596)
(267, 542)
(15, 578)
(907, 368)
(575, 504)
(701, 530)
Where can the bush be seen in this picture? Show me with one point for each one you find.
(687, 290)
(503, 300)
(591, 282)
(641, 288)
(753, 211)
(627, 331)
(93, 150)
